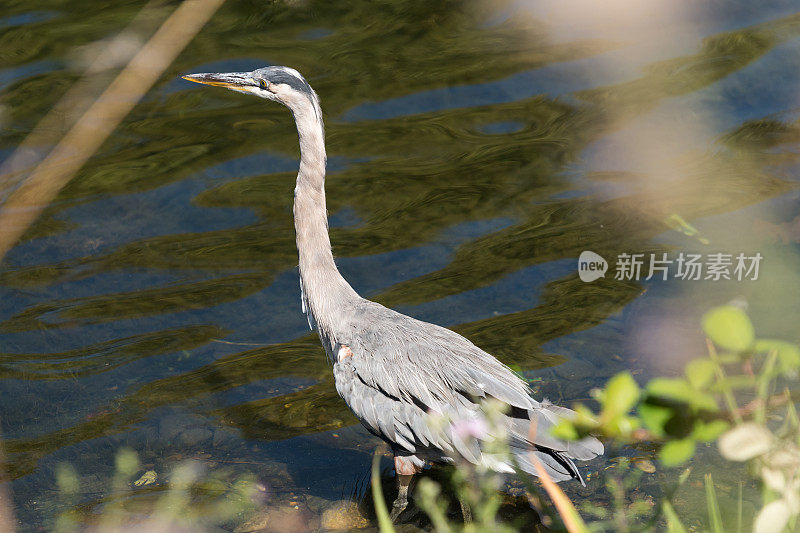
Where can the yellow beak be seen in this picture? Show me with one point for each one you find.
(232, 80)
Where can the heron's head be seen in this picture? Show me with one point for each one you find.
(281, 84)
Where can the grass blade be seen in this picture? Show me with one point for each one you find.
(384, 522)
(714, 516)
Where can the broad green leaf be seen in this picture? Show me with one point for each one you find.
(655, 417)
(745, 441)
(700, 372)
(788, 353)
(620, 395)
(734, 382)
(620, 426)
(584, 415)
(565, 429)
(729, 327)
(584, 419)
(709, 431)
(680, 389)
(729, 358)
(675, 452)
(676, 388)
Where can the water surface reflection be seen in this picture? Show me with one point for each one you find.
(476, 150)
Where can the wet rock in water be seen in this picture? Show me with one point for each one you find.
(190, 429)
(148, 435)
(275, 471)
(645, 465)
(92, 483)
(195, 436)
(575, 370)
(284, 519)
(140, 439)
(517, 508)
(516, 489)
(225, 437)
(343, 515)
(171, 426)
(317, 505)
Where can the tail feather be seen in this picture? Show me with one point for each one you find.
(545, 418)
(531, 437)
(583, 450)
(557, 465)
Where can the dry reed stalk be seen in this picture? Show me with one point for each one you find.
(91, 130)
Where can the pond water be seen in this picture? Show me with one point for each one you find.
(476, 149)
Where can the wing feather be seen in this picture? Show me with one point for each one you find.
(421, 362)
(403, 370)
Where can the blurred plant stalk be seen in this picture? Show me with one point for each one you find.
(90, 131)
(96, 61)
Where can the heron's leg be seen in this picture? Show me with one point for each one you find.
(466, 512)
(405, 469)
(401, 502)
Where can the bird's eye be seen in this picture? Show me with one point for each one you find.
(264, 84)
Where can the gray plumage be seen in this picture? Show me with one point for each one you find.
(393, 371)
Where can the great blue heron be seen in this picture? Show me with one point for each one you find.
(395, 372)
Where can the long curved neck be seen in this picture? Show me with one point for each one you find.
(324, 288)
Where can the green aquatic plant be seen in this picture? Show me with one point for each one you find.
(188, 498)
(739, 397)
